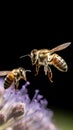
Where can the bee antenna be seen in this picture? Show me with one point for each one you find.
(24, 56)
(27, 70)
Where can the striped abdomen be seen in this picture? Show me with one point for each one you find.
(8, 80)
(59, 63)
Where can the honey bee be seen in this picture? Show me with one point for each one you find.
(14, 76)
(46, 57)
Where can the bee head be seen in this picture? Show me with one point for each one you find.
(21, 70)
(23, 73)
(33, 56)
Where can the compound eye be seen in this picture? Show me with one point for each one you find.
(21, 70)
(31, 55)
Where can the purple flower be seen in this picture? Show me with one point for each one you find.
(18, 112)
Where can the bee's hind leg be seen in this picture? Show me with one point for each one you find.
(50, 74)
(47, 70)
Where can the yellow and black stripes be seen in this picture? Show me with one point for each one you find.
(8, 80)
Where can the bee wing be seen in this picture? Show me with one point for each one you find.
(60, 47)
(3, 73)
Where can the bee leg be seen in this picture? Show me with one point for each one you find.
(37, 69)
(16, 84)
(16, 87)
(50, 74)
(24, 78)
(45, 69)
(45, 66)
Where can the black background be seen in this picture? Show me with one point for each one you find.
(20, 33)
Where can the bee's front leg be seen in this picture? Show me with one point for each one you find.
(24, 78)
(50, 74)
(16, 82)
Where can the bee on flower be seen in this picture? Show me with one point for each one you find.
(19, 112)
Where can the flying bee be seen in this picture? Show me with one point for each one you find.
(14, 76)
(45, 57)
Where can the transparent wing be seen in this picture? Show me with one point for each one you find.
(3, 73)
(60, 47)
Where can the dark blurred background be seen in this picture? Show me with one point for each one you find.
(19, 34)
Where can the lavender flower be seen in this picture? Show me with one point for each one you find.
(18, 112)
